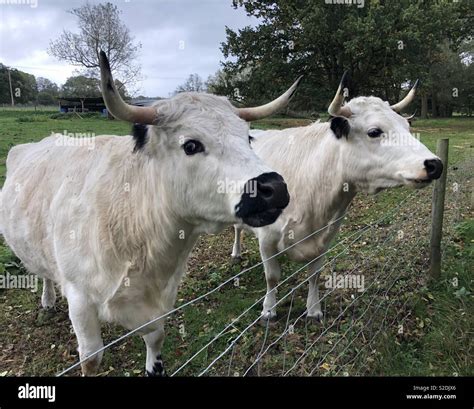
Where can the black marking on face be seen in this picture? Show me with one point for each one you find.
(251, 138)
(340, 126)
(263, 200)
(139, 132)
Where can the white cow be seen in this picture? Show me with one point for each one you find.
(365, 147)
(113, 226)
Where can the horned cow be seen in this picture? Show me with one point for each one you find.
(113, 226)
(365, 147)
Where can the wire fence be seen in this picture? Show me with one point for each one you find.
(195, 300)
(357, 318)
(292, 346)
(340, 321)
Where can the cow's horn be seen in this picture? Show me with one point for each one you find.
(399, 106)
(262, 111)
(114, 102)
(336, 108)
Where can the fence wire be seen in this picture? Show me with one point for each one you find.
(195, 300)
(359, 233)
(336, 308)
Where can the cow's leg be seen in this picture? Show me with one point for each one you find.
(236, 249)
(313, 306)
(48, 298)
(85, 321)
(154, 343)
(272, 275)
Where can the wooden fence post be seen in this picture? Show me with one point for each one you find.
(437, 211)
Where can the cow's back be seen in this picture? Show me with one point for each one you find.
(45, 180)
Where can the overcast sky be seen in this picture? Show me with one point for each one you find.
(159, 25)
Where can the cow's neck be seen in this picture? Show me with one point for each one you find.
(331, 189)
(149, 232)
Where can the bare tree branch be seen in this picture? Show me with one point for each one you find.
(100, 28)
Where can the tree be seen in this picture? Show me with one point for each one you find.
(228, 84)
(466, 91)
(217, 83)
(48, 91)
(100, 28)
(5, 97)
(194, 83)
(23, 86)
(446, 76)
(384, 45)
(81, 87)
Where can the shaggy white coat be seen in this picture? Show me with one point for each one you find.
(323, 174)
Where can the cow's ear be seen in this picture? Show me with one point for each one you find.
(340, 126)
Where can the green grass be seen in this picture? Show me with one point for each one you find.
(442, 340)
(39, 108)
(18, 127)
(437, 330)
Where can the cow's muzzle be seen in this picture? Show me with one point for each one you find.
(263, 200)
(434, 168)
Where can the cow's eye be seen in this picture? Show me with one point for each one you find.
(192, 147)
(374, 132)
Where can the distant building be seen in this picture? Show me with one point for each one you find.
(74, 104)
(143, 102)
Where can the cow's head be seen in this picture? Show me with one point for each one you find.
(381, 151)
(199, 145)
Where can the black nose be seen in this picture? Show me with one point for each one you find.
(434, 168)
(263, 200)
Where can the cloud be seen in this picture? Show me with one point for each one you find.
(178, 37)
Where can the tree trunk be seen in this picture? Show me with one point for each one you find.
(434, 105)
(424, 106)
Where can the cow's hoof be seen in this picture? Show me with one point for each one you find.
(158, 369)
(48, 302)
(316, 316)
(236, 260)
(156, 374)
(90, 367)
(268, 319)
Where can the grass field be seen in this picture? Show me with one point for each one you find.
(417, 327)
